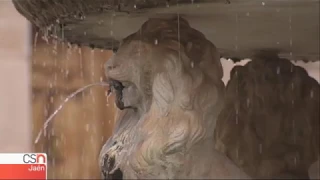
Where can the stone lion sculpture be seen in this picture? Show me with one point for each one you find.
(168, 78)
(269, 125)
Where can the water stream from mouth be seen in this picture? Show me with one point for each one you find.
(72, 95)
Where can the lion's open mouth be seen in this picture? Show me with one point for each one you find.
(117, 87)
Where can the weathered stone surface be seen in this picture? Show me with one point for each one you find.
(45, 12)
(238, 29)
(270, 122)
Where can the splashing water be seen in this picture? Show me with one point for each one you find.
(45, 125)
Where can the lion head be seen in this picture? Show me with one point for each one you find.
(171, 76)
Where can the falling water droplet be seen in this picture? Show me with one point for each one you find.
(51, 99)
(156, 41)
(87, 127)
(237, 115)
(294, 134)
(237, 29)
(63, 138)
(248, 102)
(247, 14)
(263, 3)
(135, 6)
(67, 72)
(91, 139)
(278, 70)
(311, 94)
(53, 161)
(179, 33)
(92, 64)
(93, 99)
(237, 152)
(192, 64)
(237, 120)
(260, 148)
(35, 41)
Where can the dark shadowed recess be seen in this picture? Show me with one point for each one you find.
(239, 28)
(269, 125)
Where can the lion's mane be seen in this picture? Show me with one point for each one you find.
(179, 73)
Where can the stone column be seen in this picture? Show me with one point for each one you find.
(15, 107)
